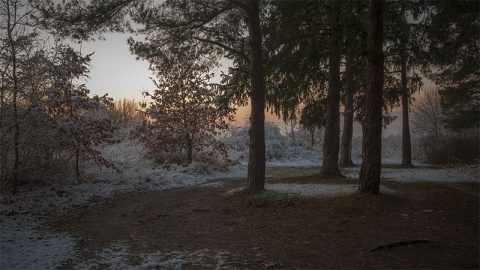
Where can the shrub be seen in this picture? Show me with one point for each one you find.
(452, 150)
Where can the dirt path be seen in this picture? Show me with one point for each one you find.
(212, 230)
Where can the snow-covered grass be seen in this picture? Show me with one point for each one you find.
(26, 243)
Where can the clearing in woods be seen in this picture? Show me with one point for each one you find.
(418, 225)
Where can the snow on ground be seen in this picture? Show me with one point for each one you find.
(312, 190)
(26, 243)
(422, 173)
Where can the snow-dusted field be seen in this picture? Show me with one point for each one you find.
(26, 243)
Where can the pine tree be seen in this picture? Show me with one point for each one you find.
(372, 125)
(405, 58)
(214, 25)
(353, 79)
(453, 52)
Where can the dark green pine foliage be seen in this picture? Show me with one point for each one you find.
(296, 49)
(354, 76)
(304, 41)
(313, 117)
(454, 51)
(404, 52)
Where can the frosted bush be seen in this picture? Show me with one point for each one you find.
(278, 146)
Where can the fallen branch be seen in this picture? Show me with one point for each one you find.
(398, 244)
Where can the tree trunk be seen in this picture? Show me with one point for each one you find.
(331, 143)
(77, 161)
(16, 138)
(293, 131)
(347, 134)
(189, 148)
(406, 141)
(372, 125)
(256, 159)
(312, 134)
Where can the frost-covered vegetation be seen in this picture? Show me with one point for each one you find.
(22, 217)
(138, 168)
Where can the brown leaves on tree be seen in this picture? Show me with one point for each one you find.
(184, 114)
(77, 119)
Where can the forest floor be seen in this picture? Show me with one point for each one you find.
(411, 225)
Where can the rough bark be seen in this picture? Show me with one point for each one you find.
(347, 134)
(406, 141)
(256, 160)
(372, 125)
(331, 143)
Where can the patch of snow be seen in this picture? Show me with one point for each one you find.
(308, 190)
(26, 244)
(115, 257)
(172, 260)
(200, 259)
(297, 162)
(424, 174)
(213, 184)
(221, 260)
(280, 191)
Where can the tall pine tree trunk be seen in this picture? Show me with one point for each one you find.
(331, 143)
(347, 134)
(256, 159)
(372, 125)
(406, 141)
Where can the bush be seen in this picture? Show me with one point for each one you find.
(278, 146)
(275, 143)
(451, 151)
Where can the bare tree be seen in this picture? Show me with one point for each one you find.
(124, 112)
(17, 35)
(427, 114)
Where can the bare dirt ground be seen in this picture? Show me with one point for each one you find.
(421, 225)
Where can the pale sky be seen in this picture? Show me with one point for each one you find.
(114, 69)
